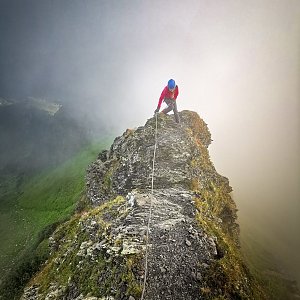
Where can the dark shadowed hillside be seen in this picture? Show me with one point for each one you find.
(35, 135)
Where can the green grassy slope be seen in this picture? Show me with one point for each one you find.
(45, 199)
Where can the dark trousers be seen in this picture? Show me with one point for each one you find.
(172, 106)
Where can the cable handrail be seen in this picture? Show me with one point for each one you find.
(150, 212)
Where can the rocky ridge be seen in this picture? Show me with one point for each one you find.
(194, 239)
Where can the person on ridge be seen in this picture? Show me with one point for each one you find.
(169, 95)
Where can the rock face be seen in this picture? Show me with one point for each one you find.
(193, 246)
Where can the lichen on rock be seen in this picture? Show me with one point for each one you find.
(194, 239)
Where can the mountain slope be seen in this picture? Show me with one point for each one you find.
(27, 217)
(34, 137)
(194, 239)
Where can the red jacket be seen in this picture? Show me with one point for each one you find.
(166, 93)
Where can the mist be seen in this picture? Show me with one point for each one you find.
(236, 63)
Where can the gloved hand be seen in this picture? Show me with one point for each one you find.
(156, 111)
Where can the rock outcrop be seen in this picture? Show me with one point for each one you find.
(193, 239)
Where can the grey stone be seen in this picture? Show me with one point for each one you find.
(188, 243)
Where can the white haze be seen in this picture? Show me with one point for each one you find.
(236, 63)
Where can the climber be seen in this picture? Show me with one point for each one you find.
(169, 95)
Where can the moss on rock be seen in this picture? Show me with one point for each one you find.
(194, 239)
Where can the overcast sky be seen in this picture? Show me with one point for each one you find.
(236, 63)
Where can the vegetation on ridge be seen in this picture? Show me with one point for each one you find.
(72, 241)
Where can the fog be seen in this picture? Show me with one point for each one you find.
(236, 63)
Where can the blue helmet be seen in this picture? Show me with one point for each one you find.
(171, 84)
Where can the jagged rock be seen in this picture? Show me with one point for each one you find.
(188, 243)
(31, 293)
(193, 246)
